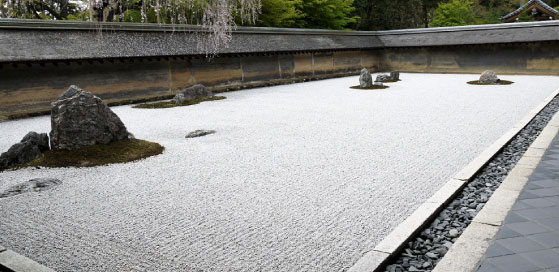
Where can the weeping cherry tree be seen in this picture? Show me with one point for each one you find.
(216, 18)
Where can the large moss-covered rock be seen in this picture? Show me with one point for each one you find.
(79, 118)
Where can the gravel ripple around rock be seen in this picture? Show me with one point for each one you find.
(424, 251)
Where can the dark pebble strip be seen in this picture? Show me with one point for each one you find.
(423, 252)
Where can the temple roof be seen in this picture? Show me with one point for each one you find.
(540, 3)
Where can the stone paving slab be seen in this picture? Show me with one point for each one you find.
(528, 239)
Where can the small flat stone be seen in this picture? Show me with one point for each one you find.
(199, 133)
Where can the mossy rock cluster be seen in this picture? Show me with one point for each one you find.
(172, 104)
(96, 155)
(370, 88)
(501, 82)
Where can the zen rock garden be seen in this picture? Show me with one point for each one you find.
(184, 97)
(334, 161)
(489, 77)
(366, 80)
(79, 120)
(86, 132)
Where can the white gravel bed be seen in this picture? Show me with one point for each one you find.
(302, 177)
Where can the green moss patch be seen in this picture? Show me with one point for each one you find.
(370, 88)
(172, 104)
(116, 152)
(501, 82)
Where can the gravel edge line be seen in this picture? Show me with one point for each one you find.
(393, 254)
(14, 262)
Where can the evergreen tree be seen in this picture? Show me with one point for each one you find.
(279, 13)
(329, 14)
(389, 14)
(454, 13)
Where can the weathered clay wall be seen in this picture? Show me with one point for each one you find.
(536, 58)
(27, 88)
(135, 62)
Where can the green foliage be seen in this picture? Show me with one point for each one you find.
(151, 16)
(492, 15)
(454, 13)
(38, 9)
(388, 14)
(526, 17)
(327, 14)
(132, 16)
(279, 13)
(330, 14)
(78, 16)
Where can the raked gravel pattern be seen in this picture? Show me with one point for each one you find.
(302, 177)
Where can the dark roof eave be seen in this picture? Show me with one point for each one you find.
(540, 2)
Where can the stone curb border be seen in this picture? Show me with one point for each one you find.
(468, 251)
(13, 262)
(392, 244)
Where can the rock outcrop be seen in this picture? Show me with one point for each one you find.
(489, 77)
(395, 75)
(382, 78)
(79, 118)
(31, 147)
(190, 93)
(365, 79)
